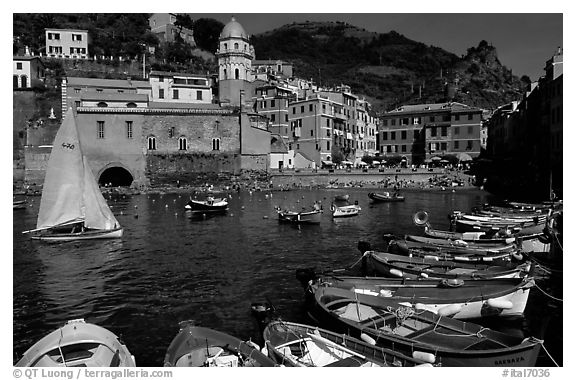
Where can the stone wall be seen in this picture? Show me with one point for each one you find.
(191, 168)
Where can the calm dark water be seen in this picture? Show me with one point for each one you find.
(168, 267)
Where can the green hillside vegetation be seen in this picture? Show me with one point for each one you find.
(390, 69)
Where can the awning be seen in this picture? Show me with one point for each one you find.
(427, 161)
(462, 157)
(327, 163)
(444, 161)
(435, 158)
(362, 163)
(347, 163)
(375, 162)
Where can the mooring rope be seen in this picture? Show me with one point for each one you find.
(546, 294)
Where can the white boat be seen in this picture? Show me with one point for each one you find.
(78, 344)
(345, 211)
(72, 206)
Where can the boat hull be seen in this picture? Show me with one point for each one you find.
(208, 207)
(390, 265)
(375, 197)
(312, 217)
(345, 211)
(87, 235)
(82, 344)
(472, 299)
(196, 346)
(291, 344)
(453, 343)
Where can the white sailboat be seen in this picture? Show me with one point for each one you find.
(72, 206)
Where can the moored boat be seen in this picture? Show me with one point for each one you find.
(72, 206)
(407, 329)
(390, 265)
(385, 197)
(209, 205)
(455, 252)
(300, 217)
(344, 211)
(78, 344)
(298, 345)
(457, 298)
(196, 346)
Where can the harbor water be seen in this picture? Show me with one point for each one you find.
(169, 267)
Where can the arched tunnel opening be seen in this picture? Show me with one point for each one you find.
(115, 176)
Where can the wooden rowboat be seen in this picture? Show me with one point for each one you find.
(450, 342)
(385, 197)
(345, 211)
(209, 205)
(460, 299)
(390, 265)
(78, 344)
(304, 217)
(297, 345)
(196, 346)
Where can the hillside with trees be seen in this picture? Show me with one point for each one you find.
(389, 69)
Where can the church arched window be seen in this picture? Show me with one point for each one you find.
(225, 74)
(182, 143)
(225, 46)
(236, 74)
(151, 143)
(235, 45)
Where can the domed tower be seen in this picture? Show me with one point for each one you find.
(235, 55)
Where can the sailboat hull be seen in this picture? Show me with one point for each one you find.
(86, 235)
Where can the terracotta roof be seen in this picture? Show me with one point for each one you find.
(103, 96)
(184, 105)
(113, 83)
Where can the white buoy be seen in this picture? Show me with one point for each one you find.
(500, 303)
(368, 339)
(449, 310)
(396, 272)
(423, 275)
(424, 356)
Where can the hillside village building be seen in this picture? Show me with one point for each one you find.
(28, 71)
(162, 25)
(420, 132)
(67, 43)
(139, 132)
(527, 135)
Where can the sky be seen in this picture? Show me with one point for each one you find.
(524, 42)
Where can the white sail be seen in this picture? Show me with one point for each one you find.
(62, 194)
(70, 190)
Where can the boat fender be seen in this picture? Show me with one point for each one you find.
(424, 365)
(430, 257)
(518, 256)
(420, 306)
(423, 275)
(264, 351)
(368, 339)
(424, 356)
(461, 258)
(487, 258)
(449, 310)
(396, 272)
(460, 243)
(500, 303)
(385, 293)
(451, 282)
